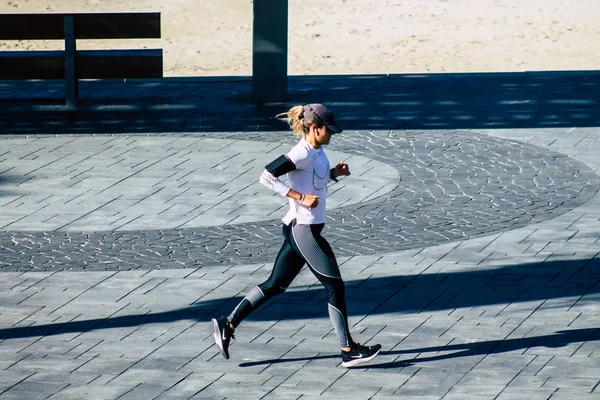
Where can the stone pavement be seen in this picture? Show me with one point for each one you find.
(468, 236)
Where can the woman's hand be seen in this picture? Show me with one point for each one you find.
(310, 201)
(341, 169)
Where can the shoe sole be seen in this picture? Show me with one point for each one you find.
(217, 337)
(357, 361)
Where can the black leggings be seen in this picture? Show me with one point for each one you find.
(303, 244)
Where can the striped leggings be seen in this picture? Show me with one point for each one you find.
(303, 244)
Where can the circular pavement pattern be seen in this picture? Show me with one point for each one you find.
(137, 183)
(453, 185)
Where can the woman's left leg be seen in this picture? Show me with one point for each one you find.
(319, 256)
(321, 261)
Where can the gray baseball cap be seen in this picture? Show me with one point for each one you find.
(320, 113)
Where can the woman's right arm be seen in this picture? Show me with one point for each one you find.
(270, 178)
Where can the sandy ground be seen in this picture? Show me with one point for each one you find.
(213, 37)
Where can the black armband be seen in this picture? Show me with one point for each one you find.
(280, 166)
(331, 174)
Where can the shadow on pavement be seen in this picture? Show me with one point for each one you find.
(400, 294)
(557, 339)
(544, 99)
(12, 180)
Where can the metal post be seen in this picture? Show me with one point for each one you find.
(269, 51)
(72, 86)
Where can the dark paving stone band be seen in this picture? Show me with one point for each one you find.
(454, 185)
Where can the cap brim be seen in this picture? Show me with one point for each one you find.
(334, 128)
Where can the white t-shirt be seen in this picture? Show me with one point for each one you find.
(311, 176)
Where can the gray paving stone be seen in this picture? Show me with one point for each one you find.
(435, 235)
(566, 394)
(96, 391)
(469, 254)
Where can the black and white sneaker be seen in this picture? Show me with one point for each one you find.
(223, 335)
(359, 354)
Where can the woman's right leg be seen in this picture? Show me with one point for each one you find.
(287, 266)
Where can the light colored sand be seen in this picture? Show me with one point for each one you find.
(213, 37)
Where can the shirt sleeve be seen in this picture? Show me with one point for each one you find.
(299, 156)
(273, 183)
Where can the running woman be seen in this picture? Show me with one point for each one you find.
(308, 172)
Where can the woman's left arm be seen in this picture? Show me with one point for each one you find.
(341, 169)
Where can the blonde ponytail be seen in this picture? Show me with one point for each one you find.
(295, 119)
